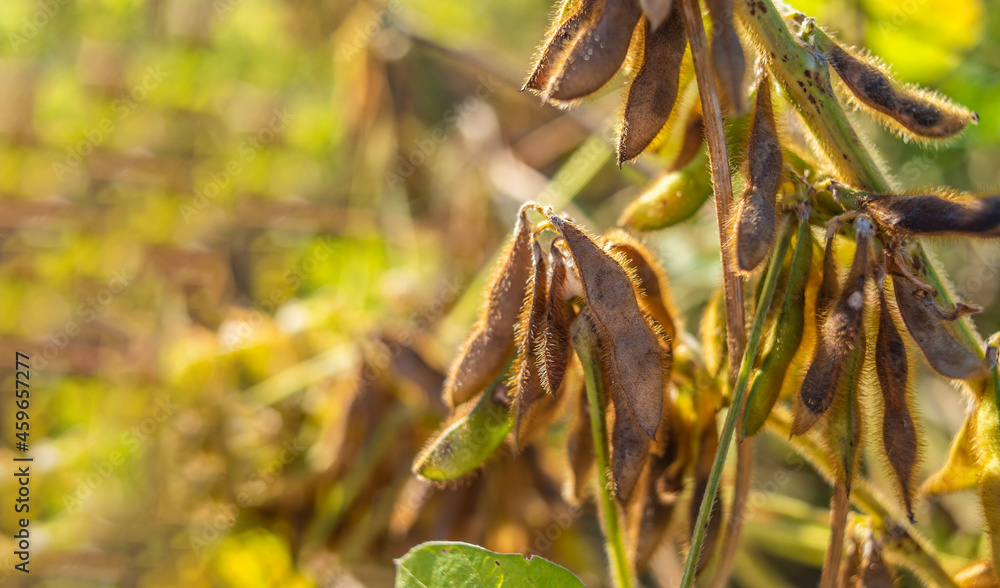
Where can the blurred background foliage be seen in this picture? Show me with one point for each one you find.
(241, 238)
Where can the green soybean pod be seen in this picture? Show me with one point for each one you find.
(843, 420)
(465, 445)
(675, 197)
(785, 339)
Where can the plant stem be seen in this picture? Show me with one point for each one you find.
(822, 113)
(722, 183)
(739, 391)
(731, 284)
(838, 523)
(903, 541)
(587, 349)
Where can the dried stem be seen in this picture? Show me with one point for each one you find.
(731, 284)
(904, 544)
(838, 523)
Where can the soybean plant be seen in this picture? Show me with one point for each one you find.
(573, 317)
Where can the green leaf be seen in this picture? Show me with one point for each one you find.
(457, 565)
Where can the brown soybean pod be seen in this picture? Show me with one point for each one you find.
(559, 42)
(727, 54)
(947, 356)
(637, 364)
(694, 138)
(556, 340)
(843, 421)
(830, 286)
(597, 52)
(919, 113)
(841, 332)
(629, 446)
(527, 384)
(653, 92)
(650, 276)
(489, 347)
(929, 214)
(874, 573)
(756, 220)
(899, 437)
(580, 448)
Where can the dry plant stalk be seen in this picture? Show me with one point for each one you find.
(658, 420)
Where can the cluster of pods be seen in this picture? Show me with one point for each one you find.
(835, 336)
(519, 361)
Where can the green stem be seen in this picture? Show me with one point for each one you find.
(587, 349)
(903, 541)
(701, 524)
(822, 113)
(802, 71)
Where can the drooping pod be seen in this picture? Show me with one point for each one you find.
(526, 382)
(931, 214)
(673, 198)
(691, 143)
(756, 220)
(596, 53)
(899, 436)
(843, 421)
(727, 54)
(841, 333)
(785, 338)
(653, 92)
(580, 449)
(489, 347)
(829, 287)
(560, 40)
(637, 362)
(909, 111)
(629, 445)
(465, 444)
(559, 314)
(943, 353)
(651, 280)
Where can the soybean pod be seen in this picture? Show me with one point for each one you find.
(785, 339)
